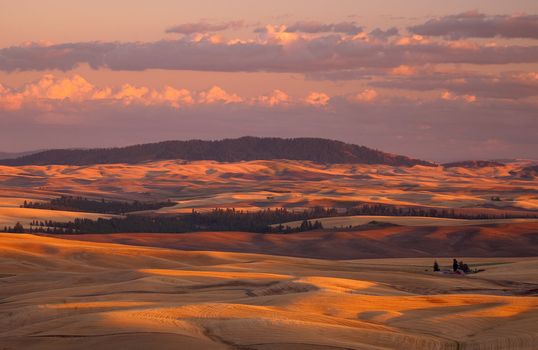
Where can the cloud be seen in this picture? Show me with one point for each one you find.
(275, 51)
(508, 85)
(449, 96)
(129, 93)
(174, 97)
(48, 89)
(50, 93)
(275, 98)
(350, 28)
(204, 27)
(272, 34)
(477, 25)
(367, 95)
(403, 70)
(384, 34)
(317, 99)
(217, 95)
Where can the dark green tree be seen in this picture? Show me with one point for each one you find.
(18, 228)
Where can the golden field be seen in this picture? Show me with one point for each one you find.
(255, 185)
(63, 294)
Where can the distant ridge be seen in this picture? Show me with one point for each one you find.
(227, 150)
(473, 164)
(13, 155)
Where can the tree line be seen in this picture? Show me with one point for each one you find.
(380, 209)
(82, 204)
(264, 221)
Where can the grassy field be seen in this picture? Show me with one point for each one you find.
(63, 294)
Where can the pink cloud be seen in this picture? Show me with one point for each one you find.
(351, 28)
(204, 27)
(275, 50)
(174, 97)
(49, 90)
(367, 95)
(318, 99)
(403, 70)
(275, 98)
(478, 25)
(512, 85)
(449, 96)
(277, 34)
(218, 95)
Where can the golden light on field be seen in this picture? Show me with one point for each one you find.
(213, 299)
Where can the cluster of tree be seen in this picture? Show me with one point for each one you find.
(264, 221)
(461, 266)
(18, 228)
(473, 164)
(82, 204)
(457, 267)
(306, 225)
(527, 173)
(393, 210)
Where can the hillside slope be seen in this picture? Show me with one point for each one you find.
(503, 240)
(228, 150)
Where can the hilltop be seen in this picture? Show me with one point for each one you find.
(227, 150)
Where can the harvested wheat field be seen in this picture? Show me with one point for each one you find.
(62, 294)
(262, 184)
(345, 221)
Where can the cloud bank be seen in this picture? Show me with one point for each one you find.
(350, 28)
(477, 25)
(204, 27)
(275, 51)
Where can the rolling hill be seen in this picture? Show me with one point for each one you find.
(367, 242)
(227, 150)
(59, 294)
(13, 155)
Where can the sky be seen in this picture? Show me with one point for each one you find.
(441, 81)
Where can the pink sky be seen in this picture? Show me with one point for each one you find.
(439, 81)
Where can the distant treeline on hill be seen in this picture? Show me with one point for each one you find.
(215, 220)
(263, 221)
(473, 164)
(380, 209)
(228, 150)
(82, 204)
